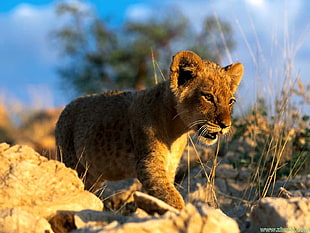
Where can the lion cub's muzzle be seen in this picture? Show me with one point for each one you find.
(208, 133)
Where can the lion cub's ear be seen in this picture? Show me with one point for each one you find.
(185, 66)
(235, 71)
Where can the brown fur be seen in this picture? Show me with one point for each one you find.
(117, 135)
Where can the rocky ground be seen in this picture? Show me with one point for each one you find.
(41, 195)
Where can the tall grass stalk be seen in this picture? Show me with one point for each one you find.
(280, 112)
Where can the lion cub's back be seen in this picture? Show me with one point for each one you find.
(82, 115)
(105, 106)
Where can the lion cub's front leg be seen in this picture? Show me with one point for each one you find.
(157, 181)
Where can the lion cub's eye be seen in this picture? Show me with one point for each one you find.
(208, 96)
(232, 101)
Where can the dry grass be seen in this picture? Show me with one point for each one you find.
(275, 125)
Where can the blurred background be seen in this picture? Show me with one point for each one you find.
(54, 51)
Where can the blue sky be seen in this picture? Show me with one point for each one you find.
(266, 33)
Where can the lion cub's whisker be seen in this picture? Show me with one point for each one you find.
(195, 123)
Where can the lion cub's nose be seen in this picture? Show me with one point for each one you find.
(224, 125)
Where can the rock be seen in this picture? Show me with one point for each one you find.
(32, 184)
(117, 196)
(237, 188)
(280, 213)
(226, 171)
(200, 218)
(193, 218)
(244, 174)
(17, 220)
(221, 185)
(151, 204)
(284, 193)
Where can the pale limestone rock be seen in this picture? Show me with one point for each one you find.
(16, 220)
(152, 204)
(191, 219)
(39, 186)
(280, 212)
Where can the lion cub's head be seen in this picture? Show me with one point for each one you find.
(204, 94)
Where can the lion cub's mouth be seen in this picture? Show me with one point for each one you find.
(206, 135)
(211, 136)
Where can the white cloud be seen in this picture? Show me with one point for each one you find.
(27, 56)
(28, 28)
(138, 12)
(24, 11)
(257, 3)
(26, 31)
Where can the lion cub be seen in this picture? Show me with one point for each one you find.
(117, 135)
